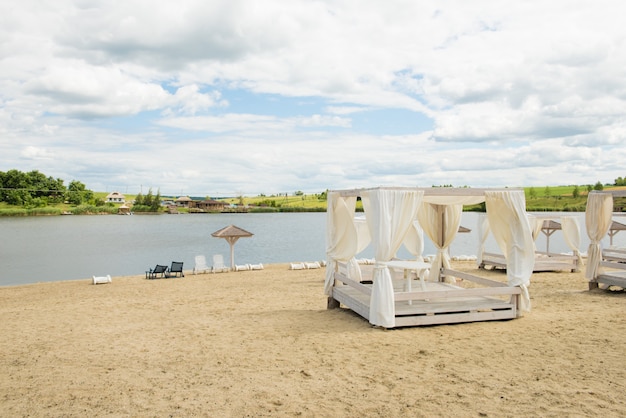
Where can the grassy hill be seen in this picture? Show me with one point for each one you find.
(538, 199)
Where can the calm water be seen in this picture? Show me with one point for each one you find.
(56, 248)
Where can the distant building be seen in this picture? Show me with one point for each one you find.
(115, 197)
(183, 201)
(207, 205)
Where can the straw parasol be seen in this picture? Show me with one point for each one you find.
(232, 233)
(615, 228)
(548, 228)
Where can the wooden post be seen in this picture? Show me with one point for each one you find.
(332, 303)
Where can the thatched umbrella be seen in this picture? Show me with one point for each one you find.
(232, 233)
(548, 228)
(615, 228)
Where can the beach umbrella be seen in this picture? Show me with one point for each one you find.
(615, 228)
(232, 233)
(548, 228)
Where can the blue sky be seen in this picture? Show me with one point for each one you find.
(236, 97)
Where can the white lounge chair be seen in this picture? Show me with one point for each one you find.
(297, 266)
(102, 279)
(242, 267)
(218, 263)
(200, 265)
(313, 265)
(256, 266)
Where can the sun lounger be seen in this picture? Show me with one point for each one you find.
(218, 264)
(200, 265)
(158, 272)
(176, 270)
(102, 279)
(297, 266)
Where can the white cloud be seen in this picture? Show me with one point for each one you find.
(36, 153)
(517, 93)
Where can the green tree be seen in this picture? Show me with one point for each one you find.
(576, 192)
(532, 193)
(598, 186)
(77, 193)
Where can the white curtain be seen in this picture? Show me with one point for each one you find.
(389, 214)
(441, 224)
(414, 241)
(535, 227)
(341, 235)
(571, 233)
(363, 240)
(598, 218)
(506, 211)
(362, 232)
(483, 233)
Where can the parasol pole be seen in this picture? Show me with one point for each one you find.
(232, 241)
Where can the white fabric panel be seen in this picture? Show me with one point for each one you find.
(362, 233)
(598, 218)
(535, 226)
(389, 215)
(453, 200)
(441, 224)
(483, 233)
(414, 241)
(509, 224)
(571, 233)
(341, 235)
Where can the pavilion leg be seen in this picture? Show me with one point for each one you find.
(332, 303)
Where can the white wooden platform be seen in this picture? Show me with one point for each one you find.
(441, 303)
(543, 262)
(613, 267)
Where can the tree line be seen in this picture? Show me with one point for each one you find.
(35, 189)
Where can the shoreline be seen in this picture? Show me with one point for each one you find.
(262, 343)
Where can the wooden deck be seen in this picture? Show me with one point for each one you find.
(543, 262)
(440, 303)
(613, 267)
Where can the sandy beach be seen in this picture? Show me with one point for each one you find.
(262, 343)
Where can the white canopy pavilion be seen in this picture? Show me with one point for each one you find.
(544, 260)
(391, 215)
(602, 269)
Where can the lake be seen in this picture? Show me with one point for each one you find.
(42, 249)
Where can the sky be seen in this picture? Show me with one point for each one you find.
(243, 97)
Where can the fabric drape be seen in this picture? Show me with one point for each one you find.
(535, 227)
(414, 241)
(341, 235)
(441, 224)
(598, 218)
(510, 227)
(571, 233)
(389, 216)
(363, 240)
(483, 233)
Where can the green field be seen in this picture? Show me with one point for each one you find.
(556, 198)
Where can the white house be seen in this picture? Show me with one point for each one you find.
(115, 197)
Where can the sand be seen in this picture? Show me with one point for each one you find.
(262, 343)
